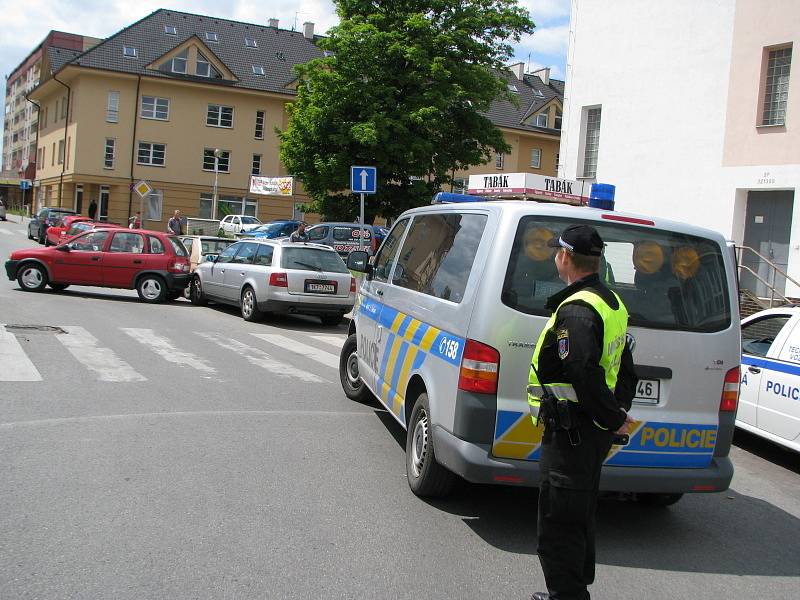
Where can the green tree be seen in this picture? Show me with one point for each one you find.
(402, 86)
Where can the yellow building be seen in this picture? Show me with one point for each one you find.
(154, 101)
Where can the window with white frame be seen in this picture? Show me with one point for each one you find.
(129, 52)
(258, 70)
(154, 205)
(219, 116)
(591, 142)
(61, 152)
(226, 205)
(223, 161)
(559, 118)
(110, 152)
(170, 30)
(112, 108)
(212, 37)
(155, 108)
(541, 120)
(536, 158)
(250, 42)
(459, 185)
(203, 68)
(259, 125)
(179, 62)
(256, 169)
(499, 159)
(776, 86)
(105, 196)
(151, 154)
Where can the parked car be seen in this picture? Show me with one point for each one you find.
(343, 237)
(153, 263)
(769, 391)
(272, 229)
(201, 246)
(2, 211)
(83, 226)
(236, 223)
(277, 276)
(57, 233)
(46, 217)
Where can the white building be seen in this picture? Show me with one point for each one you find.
(692, 109)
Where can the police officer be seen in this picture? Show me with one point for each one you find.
(581, 384)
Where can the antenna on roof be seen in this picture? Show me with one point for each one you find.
(294, 25)
(528, 65)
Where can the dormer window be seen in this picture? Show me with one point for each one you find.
(203, 68)
(212, 37)
(250, 42)
(170, 30)
(179, 62)
(129, 51)
(258, 70)
(512, 88)
(541, 120)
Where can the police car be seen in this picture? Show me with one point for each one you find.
(769, 397)
(452, 304)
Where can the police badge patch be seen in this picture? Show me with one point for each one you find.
(562, 335)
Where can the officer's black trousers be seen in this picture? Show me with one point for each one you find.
(568, 490)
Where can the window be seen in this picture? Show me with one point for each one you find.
(388, 251)
(541, 120)
(592, 142)
(108, 157)
(536, 158)
(55, 112)
(155, 108)
(64, 108)
(203, 68)
(105, 196)
(154, 205)
(222, 161)
(227, 255)
(61, 152)
(53, 156)
(264, 255)
(212, 37)
(156, 246)
(245, 254)
(250, 42)
(437, 254)
(129, 51)
(226, 205)
(151, 154)
(170, 30)
(559, 118)
(91, 242)
(112, 108)
(258, 70)
(498, 160)
(317, 233)
(558, 160)
(776, 88)
(259, 125)
(177, 247)
(179, 62)
(512, 88)
(219, 116)
(256, 170)
(758, 335)
(312, 259)
(459, 185)
(127, 242)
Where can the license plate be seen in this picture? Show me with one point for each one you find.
(320, 287)
(647, 391)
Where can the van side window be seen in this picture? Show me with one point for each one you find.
(437, 255)
(758, 335)
(385, 258)
(318, 233)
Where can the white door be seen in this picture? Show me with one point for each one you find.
(779, 400)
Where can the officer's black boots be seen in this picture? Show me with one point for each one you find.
(540, 596)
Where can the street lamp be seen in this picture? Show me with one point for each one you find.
(217, 154)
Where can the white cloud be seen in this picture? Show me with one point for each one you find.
(548, 40)
(547, 10)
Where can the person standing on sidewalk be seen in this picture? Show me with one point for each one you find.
(93, 210)
(174, 225)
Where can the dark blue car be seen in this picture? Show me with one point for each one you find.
(273, 229)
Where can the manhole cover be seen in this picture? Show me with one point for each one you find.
(34, 329)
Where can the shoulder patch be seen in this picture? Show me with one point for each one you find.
(562, 336)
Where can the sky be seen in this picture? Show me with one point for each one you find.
(33, 19)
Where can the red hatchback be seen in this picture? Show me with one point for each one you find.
(57, 233)
(153, 263)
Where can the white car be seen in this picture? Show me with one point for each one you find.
(237, 223)
(769, 396)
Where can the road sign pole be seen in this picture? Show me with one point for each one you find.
(141, 211)
(361, 224)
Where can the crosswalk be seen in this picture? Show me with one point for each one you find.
(303, 357)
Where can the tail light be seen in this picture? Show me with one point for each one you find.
(278, 280)
(180, 266)
(730, 391)
(480, 367)
(352, 285)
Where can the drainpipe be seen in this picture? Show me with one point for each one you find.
(38, 115)
(133, 149)
(66, 124)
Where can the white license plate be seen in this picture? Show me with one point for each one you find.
(647, 391)
(320, 288)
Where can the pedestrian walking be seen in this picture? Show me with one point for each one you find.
(581, 385)
(174, 225)
(92, 210)
(135, 222)
(300, 234)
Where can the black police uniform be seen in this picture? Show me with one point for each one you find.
(570, 474)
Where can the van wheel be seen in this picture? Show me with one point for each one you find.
(196, 295)
(249, 306)
(658, 499)
(32, 277)
(426, 477)
(151, 289)
(352, 384)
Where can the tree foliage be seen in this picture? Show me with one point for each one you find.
(402, 86)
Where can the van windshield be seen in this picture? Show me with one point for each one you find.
(667, 280)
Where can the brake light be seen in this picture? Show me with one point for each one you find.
(180, 266)
(730, 391)
(480, 367)
(278, 280)
(352, 285)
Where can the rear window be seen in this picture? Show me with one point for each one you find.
(312, 259)
(666, 280)
(250, 221)
(177, 246)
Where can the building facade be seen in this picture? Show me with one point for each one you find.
(691, 109)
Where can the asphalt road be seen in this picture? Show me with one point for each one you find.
(179, 452)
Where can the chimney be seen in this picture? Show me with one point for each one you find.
(544, 75)
(308, 30)
(518, 69)
(273, 23)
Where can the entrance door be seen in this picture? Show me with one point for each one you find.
(767, 229)
(78, 199)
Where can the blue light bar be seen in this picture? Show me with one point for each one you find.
(602, 196)
(450, 198)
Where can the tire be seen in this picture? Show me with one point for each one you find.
(248, 305)
(658, 499)
(352, 384)
(426, 477)
(30, 235)
(32, 277)
(58, 287)
(151, 289)
(196, 295)
(331, 320)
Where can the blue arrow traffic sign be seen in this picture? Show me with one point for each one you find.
(363, 180)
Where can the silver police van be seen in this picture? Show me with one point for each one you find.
(452, 304)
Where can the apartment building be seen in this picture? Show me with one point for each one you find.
(691, 109)
(156, 100)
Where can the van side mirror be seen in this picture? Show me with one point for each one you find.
(358, 260)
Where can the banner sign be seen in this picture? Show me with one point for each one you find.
(526, 186)
(271, 186)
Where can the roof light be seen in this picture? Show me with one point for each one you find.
(450, 198)
(602, 196)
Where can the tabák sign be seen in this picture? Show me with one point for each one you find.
(529, 186)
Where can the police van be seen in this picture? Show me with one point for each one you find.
(453, 302)
(769, 397)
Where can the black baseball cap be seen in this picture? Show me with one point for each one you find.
(580, 239)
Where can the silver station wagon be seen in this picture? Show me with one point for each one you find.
(276, 276)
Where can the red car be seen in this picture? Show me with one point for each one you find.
(57, 233)
(153, 263)
(79, 227)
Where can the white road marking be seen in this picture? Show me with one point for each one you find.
(333, 340)
(301, 350)
(84, 347)
(14, 362)
(260, 358)
(166, 350)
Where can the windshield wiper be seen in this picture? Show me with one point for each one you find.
(309, 265)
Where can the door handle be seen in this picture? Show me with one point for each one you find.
(241, 273)
(95, 258)
(379, 292)
(754, 370)
(137, 262)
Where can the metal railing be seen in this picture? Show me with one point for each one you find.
(774, 272)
